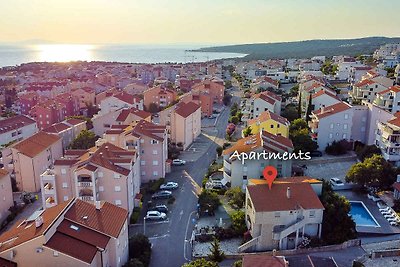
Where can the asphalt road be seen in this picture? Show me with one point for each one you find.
(170, 239)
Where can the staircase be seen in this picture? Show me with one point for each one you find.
(281, 233)
(247, 245)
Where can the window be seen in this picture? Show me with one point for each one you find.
(141, 141)
(256, 109)
(55, 253)
(331, 126)
(64, 185)
(312, 213)
(155, 152)
(272, 126)
(65, 198)
(363, 129)
(142, 162)
(101, 188)
(117, 188)
(153, 142)
(63, 171)
(118, 202)
(346, 115)
(155, 162)
(278, 126)
(142, 151)
(277, 214)
(344, 136)
(117, 175)
(330, 136)
(112, 138)
(100, 174)
(143, 173)
(345, 126)
(155, 173)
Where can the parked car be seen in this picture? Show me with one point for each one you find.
(162, 194)
(169, 186)
(155, 215)
(316, 153)
(160, 208)
(178, 162)
(336, 182)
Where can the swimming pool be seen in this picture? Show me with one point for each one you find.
(361, 215)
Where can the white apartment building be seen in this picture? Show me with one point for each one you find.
(16, 128)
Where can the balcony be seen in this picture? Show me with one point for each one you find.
(86, 198)
(84, 179)
(50, 202)
(86, 194)
(48, 189)
(227, 164)
(85, 184)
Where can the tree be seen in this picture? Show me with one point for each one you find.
(373, 171)
(234, 119)
(294, 91)
(367, 151)
(299, 134)
(134, 263)
(219, 150)
(89, 123)
(299, 107)
(337, 225)
(216, 254)
(227, 99)
(290, 112)
(201, 263)
(337, 148)
(309, 109)
(298, 124)
(208, 201)
(238, 263)
(236, 197)
(238, 222)
(140, 248)
(86, 139)
(228, 84)
(153, 108)
(247, 131)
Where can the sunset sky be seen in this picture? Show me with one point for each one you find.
(195, 21)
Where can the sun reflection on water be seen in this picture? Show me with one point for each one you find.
(64, 52)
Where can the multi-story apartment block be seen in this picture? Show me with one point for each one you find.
(264, 83)
(6, 194)
(388, 140)
(214, 89)
(86, 96)
(367, 90)
(149, 140)
(237, 174)
(120, 100)
(16, 128)
(280, 217)
(322, 98)
(27, 159)
(159, 96)
(269, 122)
(125, 116)
(73, 233)
(261, 102)
(389, 99)
(105, 172)
(68, 130)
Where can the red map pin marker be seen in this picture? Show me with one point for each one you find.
(270, 174)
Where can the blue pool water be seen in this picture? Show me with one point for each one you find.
(361, 215)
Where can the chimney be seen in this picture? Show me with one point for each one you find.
(98, 205)
(288, 192)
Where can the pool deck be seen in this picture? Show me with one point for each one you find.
(385, 228)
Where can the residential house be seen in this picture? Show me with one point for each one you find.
(124, 116)
(237, 174)
(102, 173)
(269, 122)
(261, 102)
(160, 97)
(388, 140)
(68, 130)
(265, 82)
(120, 100)
(322, 98)
(16, 128)
(280, 217)
(73, 233)
(367, 90)
(86, 96)
(149, 140)
(27, 159)
(6, 195)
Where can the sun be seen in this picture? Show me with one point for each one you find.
(64, 52)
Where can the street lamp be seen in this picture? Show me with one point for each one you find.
(144, 226)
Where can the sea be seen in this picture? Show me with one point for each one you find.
(11, 55)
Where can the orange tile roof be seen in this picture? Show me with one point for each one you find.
(296, 179)
(109, 219)
(23, 232)
(36, 144)
(56, 128)
(262, 261)
(246, 144)
(324, 92)
(186, 109)
(149, 129)
(330, 110)
(74, 121)
(266, 115)
(364, 83)
(301, 196)
(277, 141)
(395, 122)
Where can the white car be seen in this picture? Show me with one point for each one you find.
(336, 182)
(155, 215)
(169, 186)
(178, 162)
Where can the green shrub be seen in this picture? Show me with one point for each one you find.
(154, 185)
(238, 222)
(135, 215)
(140, 248)
(236, 197)
(208, 200)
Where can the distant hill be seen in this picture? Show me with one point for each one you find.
(306, 49)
